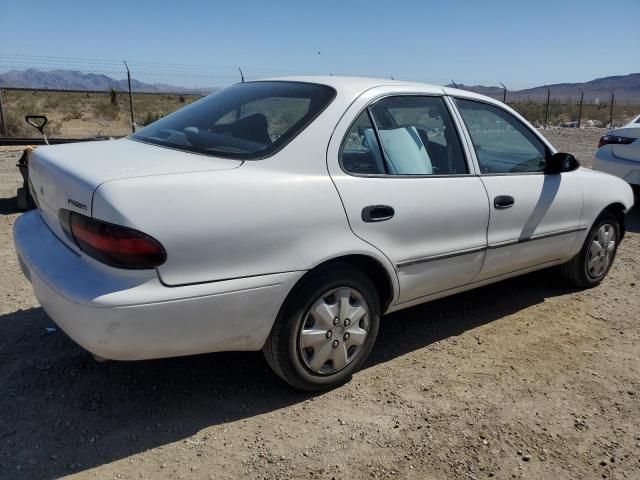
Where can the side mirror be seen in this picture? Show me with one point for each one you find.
(561, 162)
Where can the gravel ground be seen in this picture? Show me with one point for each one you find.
(527, 378)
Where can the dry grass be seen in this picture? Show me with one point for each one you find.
(81, 115)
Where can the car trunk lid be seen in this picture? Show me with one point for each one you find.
(627, 151)
(65, 176)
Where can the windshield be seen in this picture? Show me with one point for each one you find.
(246, 121)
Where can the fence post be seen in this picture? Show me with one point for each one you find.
(546, 110)
(504, 93)
(3, 125)
(133, 121)
(580, 109)
(613, 97)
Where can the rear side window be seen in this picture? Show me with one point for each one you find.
(404, 135)
(502, 143)
(246, 121)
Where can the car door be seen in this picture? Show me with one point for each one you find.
(534, 216)
(408, 190)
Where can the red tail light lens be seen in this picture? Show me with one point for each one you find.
(614, 140)
(113, 244)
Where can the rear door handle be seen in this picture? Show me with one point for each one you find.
(377, 213)
(503, 201)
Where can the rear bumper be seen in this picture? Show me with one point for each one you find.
(628, 170)
(124, 315)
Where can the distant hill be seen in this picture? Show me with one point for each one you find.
(625, 87)
(75, 80)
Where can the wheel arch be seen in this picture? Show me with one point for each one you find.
(371, 266)
(618, 210)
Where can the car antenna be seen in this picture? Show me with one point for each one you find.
(241, 75)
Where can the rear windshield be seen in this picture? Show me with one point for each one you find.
(246, 121)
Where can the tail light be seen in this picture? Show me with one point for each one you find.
(615, 140)
(112, 244)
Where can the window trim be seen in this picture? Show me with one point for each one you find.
(548, 148)
(468, 160)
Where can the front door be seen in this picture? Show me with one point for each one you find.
(534, 217)
(408, 190)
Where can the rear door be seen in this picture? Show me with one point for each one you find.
(408, 189)
(534, 217)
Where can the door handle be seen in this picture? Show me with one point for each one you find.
(377, 213)
(503, 201)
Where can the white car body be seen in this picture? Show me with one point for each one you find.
(239, 235)
(622, 160)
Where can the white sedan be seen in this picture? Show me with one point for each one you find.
(288, 215)
(619, 153)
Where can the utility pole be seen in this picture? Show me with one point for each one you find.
(133, 121)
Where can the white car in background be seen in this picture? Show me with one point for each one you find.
(619, 153)
(289, 215)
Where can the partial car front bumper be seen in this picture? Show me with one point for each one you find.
(628, 170)
(125, 315)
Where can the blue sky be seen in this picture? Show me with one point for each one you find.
(518, 43)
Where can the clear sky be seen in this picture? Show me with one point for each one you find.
(516, 42)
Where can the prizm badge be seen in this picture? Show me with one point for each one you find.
(76, 204)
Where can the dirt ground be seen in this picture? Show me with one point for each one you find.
(527, 378)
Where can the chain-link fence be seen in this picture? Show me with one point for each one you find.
(564, 106)
(109, 98)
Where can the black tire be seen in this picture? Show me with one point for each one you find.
(283, 350)
(577, 270)
(22, 199)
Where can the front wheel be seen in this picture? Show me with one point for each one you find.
(589, 267)
(326, 329)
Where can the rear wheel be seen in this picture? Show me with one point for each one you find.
(589, 267)
(326, 329)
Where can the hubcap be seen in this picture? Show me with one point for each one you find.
(334, 330)
(601, 250)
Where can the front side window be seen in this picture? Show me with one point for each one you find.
(404, 135)
(502, 143)
(245, 121)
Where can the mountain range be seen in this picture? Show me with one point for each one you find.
(60, 79)
(625, 87)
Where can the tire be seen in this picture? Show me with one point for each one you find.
(584, 270)
(22, 200)
(305, 331)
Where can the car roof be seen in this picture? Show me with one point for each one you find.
(358, 85)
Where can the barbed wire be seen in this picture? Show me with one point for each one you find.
(84, 97)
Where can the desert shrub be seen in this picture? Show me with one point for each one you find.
(113, 96)
(105, 110)
(150, 118)
(16, 126)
